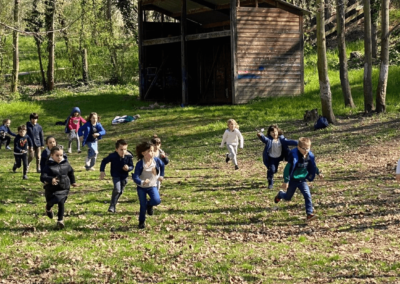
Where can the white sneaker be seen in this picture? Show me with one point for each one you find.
(69, 150)
(8, 148)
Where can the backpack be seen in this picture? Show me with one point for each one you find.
(322, 122)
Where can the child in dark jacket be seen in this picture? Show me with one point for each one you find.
(50, 143)
(276, 150)
(159, 153)
(59, 176)
(301, 167)
(89, 134)
(22, 145)
(4, 130)
(74, 122)
(148, 170)
(121, 165)
(35, 132)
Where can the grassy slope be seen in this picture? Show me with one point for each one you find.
(214, 224)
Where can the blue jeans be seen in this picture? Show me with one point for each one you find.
(273, 164)
(119, 186)
(304, 189)
(92, 154)
(154, 200)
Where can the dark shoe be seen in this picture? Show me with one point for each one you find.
(50, 214)
(111, 210)
(14, 169)
(277, 198)
(236, 167)
(79, 151)
(311, 217)
(141, 225)
(25, 177)
(150, 210)
(60, 224)
(227, 158)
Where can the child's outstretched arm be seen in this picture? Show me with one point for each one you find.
(103, 164)
(240, 138)
(398, 171)
(224, 137)
(286, 176)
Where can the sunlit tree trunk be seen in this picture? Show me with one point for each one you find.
(368, 97)
(341, 32)
(15, 71)
(51, 9)
(384, 68)
(324, 85)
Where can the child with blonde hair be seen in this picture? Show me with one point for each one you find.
(232, 137)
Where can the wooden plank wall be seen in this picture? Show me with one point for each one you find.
(269, 53)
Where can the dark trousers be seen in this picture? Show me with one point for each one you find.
(273, 164)
(61, 207)
(7, 139)
(21, 158)
(119, 185)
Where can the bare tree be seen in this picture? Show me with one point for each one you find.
(384, 68)
(368, 97)
(375, 7)
(15, 71)
(341, 32)
(324, 85)
(50, 12)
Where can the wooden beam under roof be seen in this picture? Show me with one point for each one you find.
(206, 4)
(202, 36)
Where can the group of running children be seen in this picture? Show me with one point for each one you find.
(57, 175)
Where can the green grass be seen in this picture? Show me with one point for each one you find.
(214, 224)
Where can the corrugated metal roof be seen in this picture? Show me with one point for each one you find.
(195, 6)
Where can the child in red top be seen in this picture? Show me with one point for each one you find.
(74, 122)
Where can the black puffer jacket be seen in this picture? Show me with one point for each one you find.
(63, 172)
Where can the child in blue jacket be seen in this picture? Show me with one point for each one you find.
(4, 130)
(35, 132)
(148, 170)
(276, 150)
(301, 167)
(89, 134)
(121, 165)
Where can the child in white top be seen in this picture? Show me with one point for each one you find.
(159, 153)
(232, 137)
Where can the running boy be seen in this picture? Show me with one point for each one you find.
(4, 130)
(35, 132)
(301, 167)
(121, 165)
(22, 143)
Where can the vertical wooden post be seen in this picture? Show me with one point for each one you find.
(184, 54)
(15, 71)
(233, 14)
(301, 40)
(256, 3)
(85, 69)
(140, 49)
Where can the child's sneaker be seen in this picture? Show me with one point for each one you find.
(14, 168)
(50, 214)
(8, 148)
(79, 151)
(227, 158)
(311, 217)
(25, 177)
(150, 210)
(141, 225)
(236, 167)
(60, 224)
(277, 198)
(69, 150)
(111, 210)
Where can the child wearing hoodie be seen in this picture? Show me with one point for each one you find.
(59, 176)
(74, 122)
(35, 132)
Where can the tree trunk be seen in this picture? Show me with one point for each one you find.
(341, 32)
(111, 46)
(384, 70)
(368, 97)
(15, 71)
(324, 85)
(38, 44)
(51, 9)
(375, 7)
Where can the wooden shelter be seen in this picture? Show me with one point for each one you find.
(220, 51)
